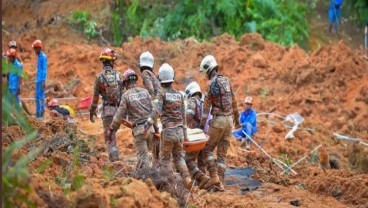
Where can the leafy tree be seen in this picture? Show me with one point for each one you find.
(276, 20)
(357, 9)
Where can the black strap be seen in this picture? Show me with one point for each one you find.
(139, 123)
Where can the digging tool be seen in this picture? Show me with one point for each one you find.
(300, 160)
(269, 156)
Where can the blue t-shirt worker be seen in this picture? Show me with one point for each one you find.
(248, 122)
(334, 15)
(40, 79)
(15, 77)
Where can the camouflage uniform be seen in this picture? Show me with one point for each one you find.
(193, 116)
(219, 96)
(153, 86)
(137, 104)
(108, 85)
(170, 106)
(151, 83)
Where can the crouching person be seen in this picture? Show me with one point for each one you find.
(248, 122)
(66, 113)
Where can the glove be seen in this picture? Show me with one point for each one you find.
(157, 136)
(91, 114)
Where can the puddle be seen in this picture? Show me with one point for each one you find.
(241, 177)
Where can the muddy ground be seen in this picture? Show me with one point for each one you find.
(327, 86)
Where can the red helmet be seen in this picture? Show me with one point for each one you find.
(129, 75)
(12, 52)
(53, 102)
(248, 100)
(107, 54)
(37, 44)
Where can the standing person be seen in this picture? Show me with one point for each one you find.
(41, 77)
(151, 83)
(220, 99)
(136, 102)
(108, 85)
(170, 107)
(334, 15)
(248, 122)
(13, 45)
(15, 77)
(193, 116)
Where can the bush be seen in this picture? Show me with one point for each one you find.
(15, 174)
(277, 20)
(83, 21)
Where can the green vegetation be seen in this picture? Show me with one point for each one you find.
(83, 21)
(15, 173)
(276, 20)
(284, 22)
(43, 166)
(357, 10)
(263, 92)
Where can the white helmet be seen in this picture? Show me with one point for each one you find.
(146, 59)
(208, 63)
(12, 44)
(192, 88)
(166, 73)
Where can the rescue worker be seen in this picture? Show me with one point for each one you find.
(56, 103)
(220, 99)
(107, 84)
(334, 15)
(66, 113)
(170, 107)
(41, 77)
(13, 45)
(136, 102)
(56, 110)
(15, 77)
(248, 122)
(193, 117)
(152, 84)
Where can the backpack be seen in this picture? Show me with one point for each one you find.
(111, 81)
(221, 88)
(156, 84)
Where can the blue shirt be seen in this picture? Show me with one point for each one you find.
(41, 67)
(16, 72)
(336, 3)
(249, 116)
